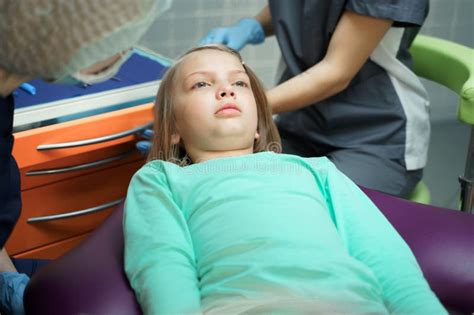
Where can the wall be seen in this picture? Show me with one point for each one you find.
(188, 21)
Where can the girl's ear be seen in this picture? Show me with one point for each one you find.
(257, 135)
(175, 138)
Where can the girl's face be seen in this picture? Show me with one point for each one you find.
(214, 106)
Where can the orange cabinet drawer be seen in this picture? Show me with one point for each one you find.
(74, 148)
(63, 198)
(77, 165)
(54, 250)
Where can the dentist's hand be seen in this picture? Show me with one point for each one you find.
(144, 146)
(246, 31)
(12, 287)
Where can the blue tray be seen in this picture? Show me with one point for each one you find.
(136, 70)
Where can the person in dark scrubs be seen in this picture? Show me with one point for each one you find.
(346, 89)
(9, 174)
(61, 42)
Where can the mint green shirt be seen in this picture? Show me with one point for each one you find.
(264, 233)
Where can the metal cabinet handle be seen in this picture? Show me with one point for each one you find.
(79, 143)
(79, 167)
(75, 213)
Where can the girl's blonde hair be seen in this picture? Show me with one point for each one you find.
(165, 124)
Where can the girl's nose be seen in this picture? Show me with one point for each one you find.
(225, 92)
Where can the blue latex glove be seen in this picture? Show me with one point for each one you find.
(12, 287)
(246, 31)
(144, 146)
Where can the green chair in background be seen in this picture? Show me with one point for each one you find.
(451, 65)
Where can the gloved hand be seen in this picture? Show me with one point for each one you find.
(246, 31)
(12, 287)
(144, 146)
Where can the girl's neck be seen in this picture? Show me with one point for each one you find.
(210, 155)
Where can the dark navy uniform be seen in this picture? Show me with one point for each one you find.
(377, 130)
(10, 202)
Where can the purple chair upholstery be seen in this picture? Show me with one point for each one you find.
(443, 243)
(90, 278)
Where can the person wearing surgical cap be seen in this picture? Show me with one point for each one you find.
(61, 42)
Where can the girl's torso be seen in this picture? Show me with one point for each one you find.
(262, 231)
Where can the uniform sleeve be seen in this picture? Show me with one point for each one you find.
(371, 239)
(159, 257)
(402, 12)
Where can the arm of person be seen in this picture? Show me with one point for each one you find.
(264, 17)
(371, 239)
(10, 81)
(6, 263)
(159, 257)
(354, 39)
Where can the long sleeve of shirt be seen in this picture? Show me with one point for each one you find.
(159, 257)
(371, 239)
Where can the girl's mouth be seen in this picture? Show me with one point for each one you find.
(228, 109)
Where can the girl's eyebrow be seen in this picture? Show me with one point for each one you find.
(210, 72)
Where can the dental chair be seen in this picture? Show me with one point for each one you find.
(90, 278)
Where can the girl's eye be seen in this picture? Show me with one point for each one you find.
(200, 85)
(241, 84)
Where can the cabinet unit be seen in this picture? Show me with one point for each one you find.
(73, 174)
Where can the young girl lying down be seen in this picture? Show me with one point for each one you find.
(239, 228)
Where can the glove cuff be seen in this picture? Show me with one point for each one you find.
(256, 32)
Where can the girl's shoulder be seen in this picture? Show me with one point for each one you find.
(157, 166)
(319, 163)
(156, 169)
(322, 163)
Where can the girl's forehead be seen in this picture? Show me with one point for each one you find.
(209, 60)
